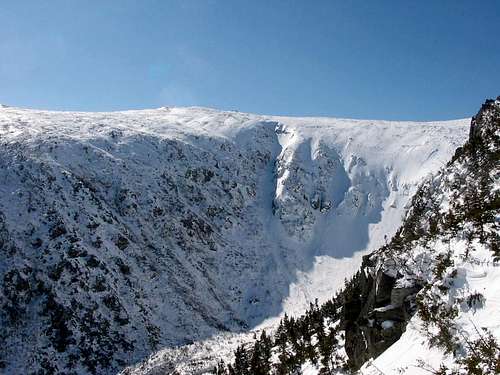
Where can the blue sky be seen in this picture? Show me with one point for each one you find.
(420, 60)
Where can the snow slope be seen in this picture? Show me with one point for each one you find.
(169, 226)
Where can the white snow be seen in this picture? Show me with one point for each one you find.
(309, 369)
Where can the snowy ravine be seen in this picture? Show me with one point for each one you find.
(426, 302)
(128, 232)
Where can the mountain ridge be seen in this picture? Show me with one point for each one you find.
(229, 111)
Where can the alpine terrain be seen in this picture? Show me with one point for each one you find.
(426, 302)
(162, 241)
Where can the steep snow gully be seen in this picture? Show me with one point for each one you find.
(173, 225)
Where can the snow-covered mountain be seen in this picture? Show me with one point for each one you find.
(123, 233)
(426, 302)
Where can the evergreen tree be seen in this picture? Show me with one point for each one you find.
(241, 362)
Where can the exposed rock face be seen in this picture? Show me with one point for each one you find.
(376, 314)
(485, 123)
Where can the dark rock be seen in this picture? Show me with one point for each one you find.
(122, 242)
(376, 300)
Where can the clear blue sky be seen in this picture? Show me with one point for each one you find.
(420, 60)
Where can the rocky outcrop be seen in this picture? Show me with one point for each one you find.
(377, 308)
(485, 123)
